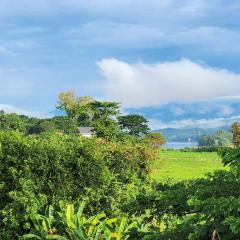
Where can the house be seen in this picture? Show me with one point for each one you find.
(86, 131)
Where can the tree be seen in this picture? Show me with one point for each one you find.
(236, 134)
(75, 107)
(42, 126)
(205, 141)
(134, 124)
(11, 122)
(48, 126)
(88, 112)
(219, 139)
(103, 118)
(223, 139)
(65, 124)
(155, 140)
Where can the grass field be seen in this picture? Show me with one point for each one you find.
(174, 166)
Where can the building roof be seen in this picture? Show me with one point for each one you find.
(85, 130)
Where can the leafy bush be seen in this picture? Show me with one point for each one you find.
(68, 224)
(201, 149)
(192, 210)
(42, 170)
(219, 139)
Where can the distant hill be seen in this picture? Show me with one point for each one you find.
(184, 134)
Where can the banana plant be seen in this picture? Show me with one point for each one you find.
(44, 226)
(73, 225)
(78, 227)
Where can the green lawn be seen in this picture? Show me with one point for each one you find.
(175, 166)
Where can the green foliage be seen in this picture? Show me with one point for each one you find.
(103, 114)
(88, 112)
(196, 209)
(134, 124)
(74, 106)
(30, 125)
(193, 210)
(236, 134)
(68, 224)
(40, 167)
(39, 170)
(219, 139)
(65, 124)
(155, 140)
(43, 126)
(11, 122)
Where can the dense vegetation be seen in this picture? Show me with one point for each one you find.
(47, 174)
(219, 139)
(40, 170)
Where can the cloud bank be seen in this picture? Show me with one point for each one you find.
(142, 85)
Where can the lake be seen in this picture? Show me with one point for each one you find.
(180, 145)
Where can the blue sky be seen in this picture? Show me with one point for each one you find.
(176, 62)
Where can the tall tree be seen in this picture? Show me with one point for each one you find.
(88, 112)
(155, 139)
(219, 139)
(65, 124)
(134, 124)
(74, 106)
(11, 122)
(236, 134)
(104, 116)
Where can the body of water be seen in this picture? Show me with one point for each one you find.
(180, 145)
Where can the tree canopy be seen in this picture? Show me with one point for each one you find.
(134, 124)
(89, 112)
(219, 139)
(155, 139)
(236, 134)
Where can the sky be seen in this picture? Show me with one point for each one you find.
(177, 62)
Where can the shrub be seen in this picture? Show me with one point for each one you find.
(68, 224)
(41, 170)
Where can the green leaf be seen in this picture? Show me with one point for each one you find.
(57, 237)
(70, 212)
(31, 236)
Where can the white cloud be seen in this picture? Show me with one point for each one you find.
(220, 108)
(146, 24)
(131, 25)
(141, 85)
(233, 97)
(12, 109)
(177, 111)
(225, 110)
(156, 124)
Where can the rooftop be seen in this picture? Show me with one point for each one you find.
(85, 130)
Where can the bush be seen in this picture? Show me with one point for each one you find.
(42, 170)
(201, 149)
(192, 209)
(68, 224)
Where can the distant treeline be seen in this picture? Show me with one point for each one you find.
(31, 125)
(103, 116)
(186, 134)
(219, 139)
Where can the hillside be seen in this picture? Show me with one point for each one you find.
(184, 134)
